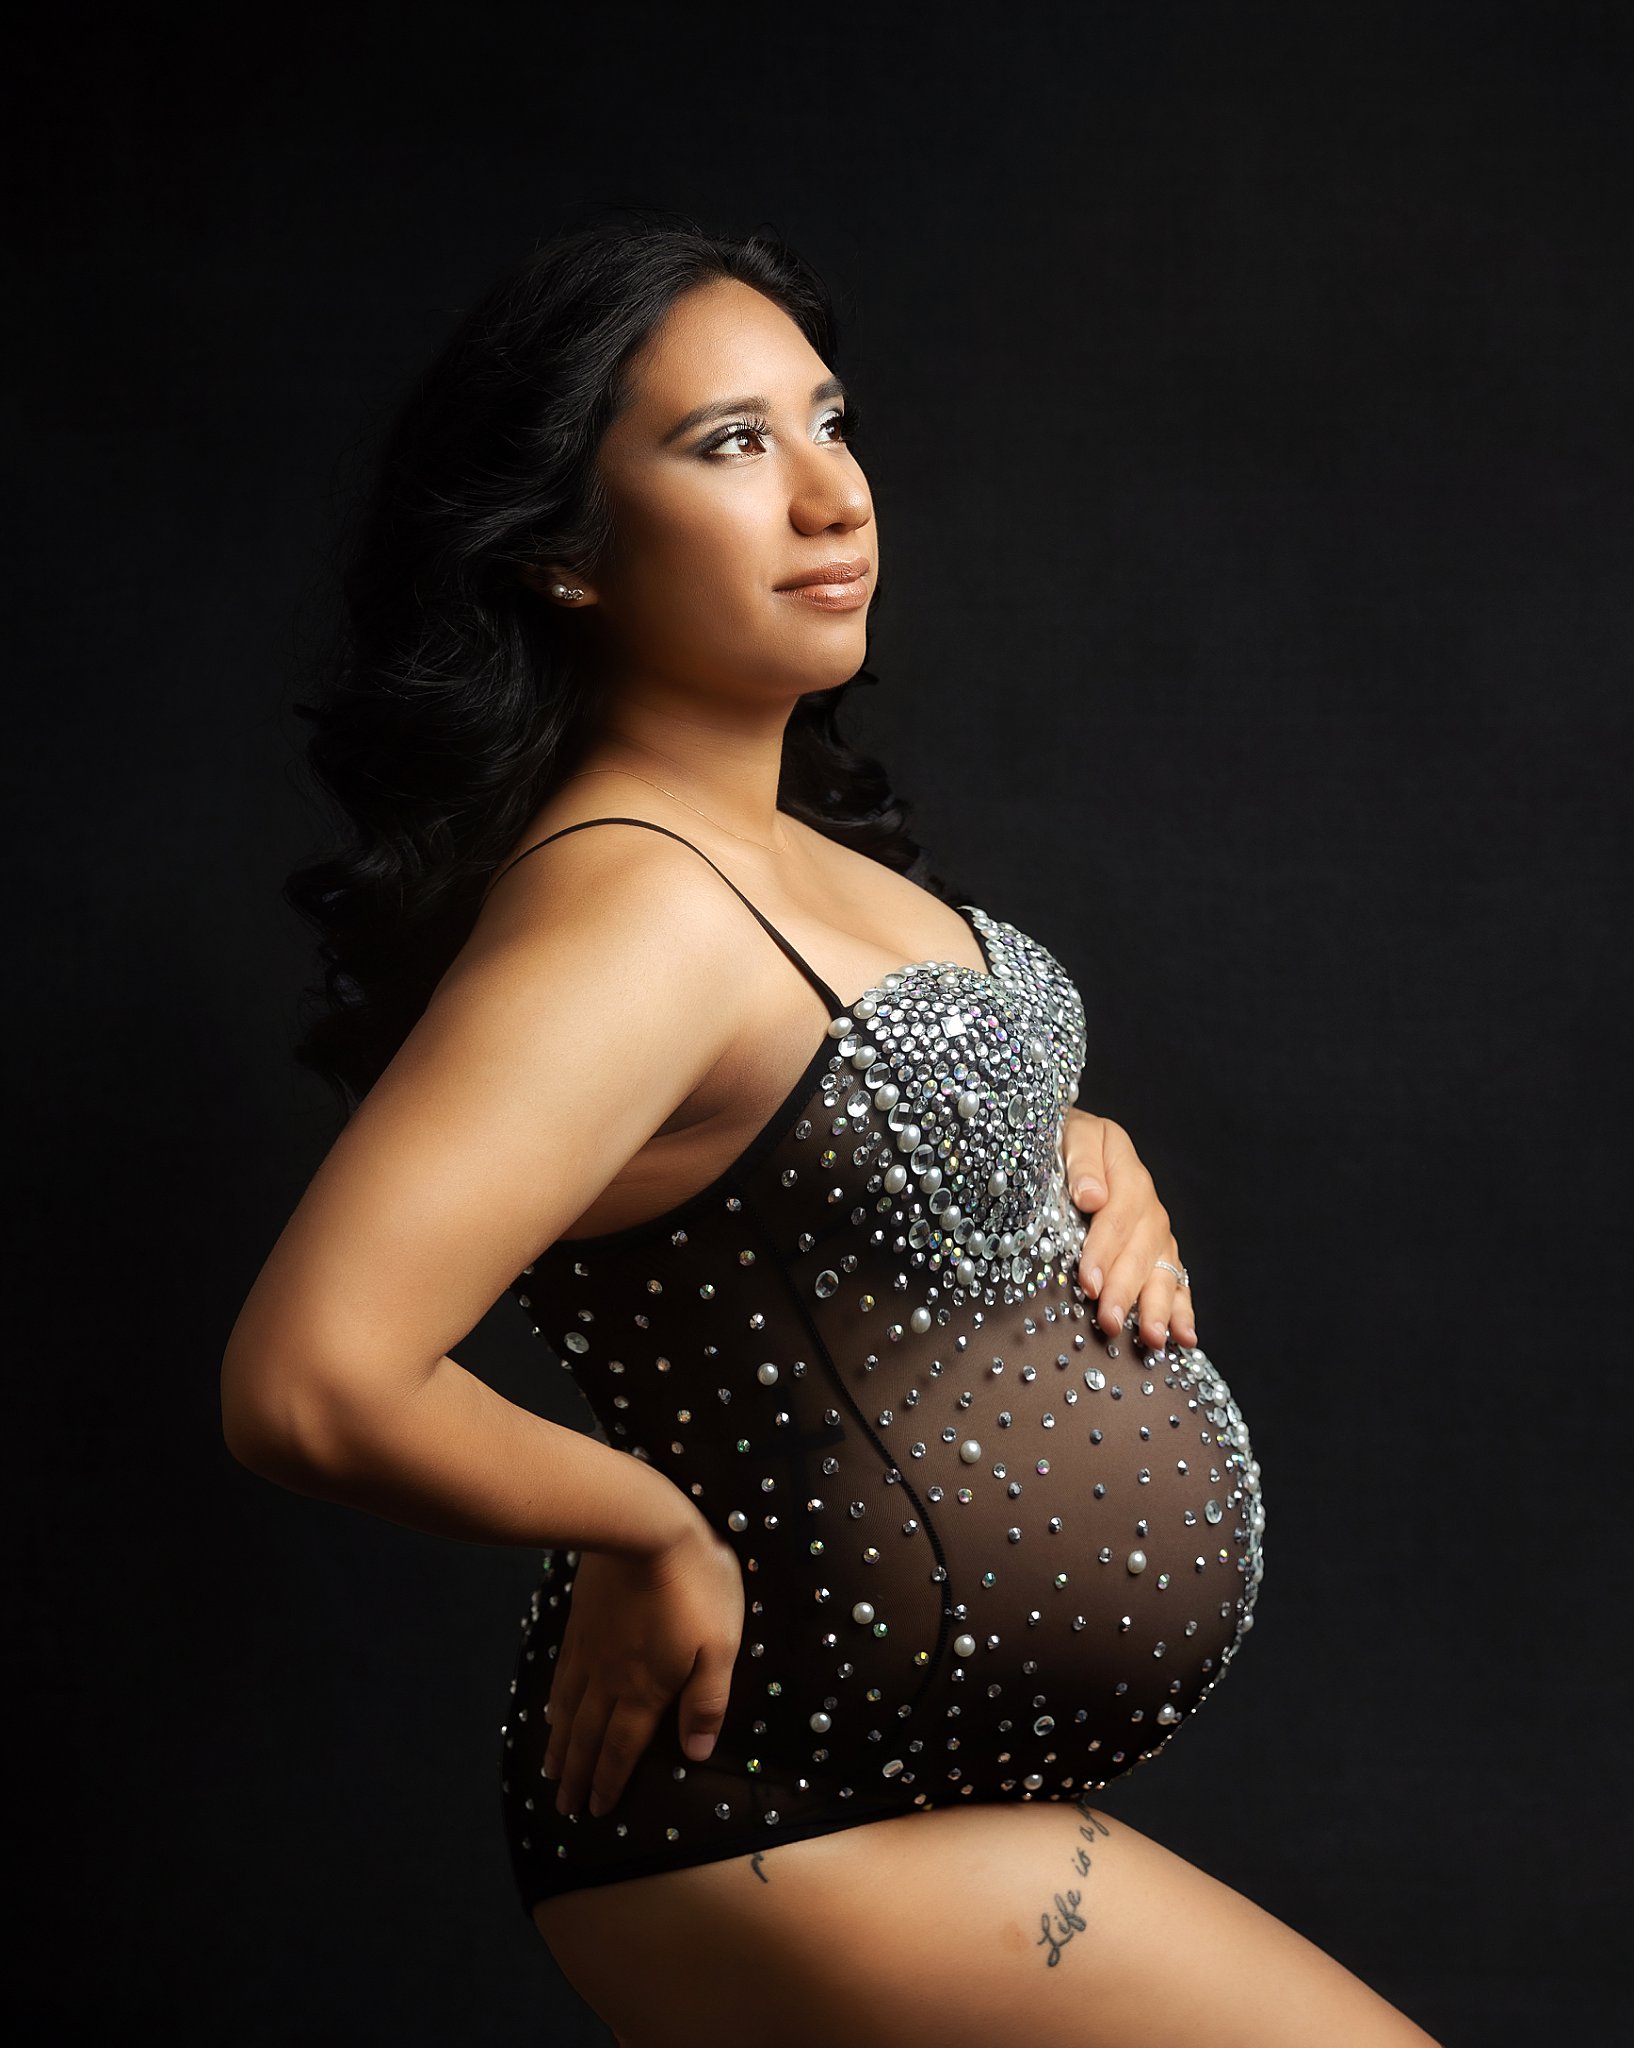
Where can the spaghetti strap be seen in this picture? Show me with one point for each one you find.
(835, 1006)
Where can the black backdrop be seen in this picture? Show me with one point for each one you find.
(1248, 420)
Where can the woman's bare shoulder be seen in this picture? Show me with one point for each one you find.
(602, 913)
(581, 1014)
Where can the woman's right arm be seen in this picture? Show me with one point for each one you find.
(584, 1010)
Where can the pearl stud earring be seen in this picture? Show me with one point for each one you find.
(563, 590)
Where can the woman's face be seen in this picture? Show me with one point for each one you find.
(729, 476)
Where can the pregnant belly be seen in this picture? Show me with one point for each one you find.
(1029, 1557)
(1009, 1562)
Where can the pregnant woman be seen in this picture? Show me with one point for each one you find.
(914, 1514)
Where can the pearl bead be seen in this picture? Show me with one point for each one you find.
(863, 1611)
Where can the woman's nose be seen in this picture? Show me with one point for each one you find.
(831, 497)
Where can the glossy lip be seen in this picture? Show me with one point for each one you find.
(831, 572)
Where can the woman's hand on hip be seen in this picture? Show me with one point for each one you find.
(639, 1632)
(1129, 1232)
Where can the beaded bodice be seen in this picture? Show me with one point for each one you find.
(934, 1111)
(988, 1551)
(953, 1089)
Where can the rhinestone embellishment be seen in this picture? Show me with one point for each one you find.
(987, 1553)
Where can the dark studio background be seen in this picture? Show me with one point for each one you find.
(1247, 413)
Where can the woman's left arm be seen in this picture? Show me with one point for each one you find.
(1128, 1232)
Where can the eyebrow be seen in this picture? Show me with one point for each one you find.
(831, 387)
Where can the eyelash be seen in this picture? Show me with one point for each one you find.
(847, 421)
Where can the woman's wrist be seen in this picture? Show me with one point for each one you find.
(666, 1520)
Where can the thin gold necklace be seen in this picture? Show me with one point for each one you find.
(719, 827)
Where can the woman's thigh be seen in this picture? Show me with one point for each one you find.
(1045, 1922)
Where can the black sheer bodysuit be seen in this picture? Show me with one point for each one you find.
(989, 1553)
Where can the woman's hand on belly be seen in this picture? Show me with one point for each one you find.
(639, 1631)
(1128, 1234)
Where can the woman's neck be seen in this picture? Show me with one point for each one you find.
(725, 768)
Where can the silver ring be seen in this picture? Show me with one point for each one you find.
(1179, 1272)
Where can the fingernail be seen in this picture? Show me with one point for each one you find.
(598, 1805)
(1086, 1189)
(1117, 1316)
(698, 1747)
(1097, 1280)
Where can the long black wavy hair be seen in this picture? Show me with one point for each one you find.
(448, 702)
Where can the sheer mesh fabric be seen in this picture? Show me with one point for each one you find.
(988, 1553)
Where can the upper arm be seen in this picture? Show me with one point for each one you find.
(582, 1013)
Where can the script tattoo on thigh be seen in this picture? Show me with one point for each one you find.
(754, 1864)
(1062, 1921)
